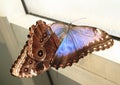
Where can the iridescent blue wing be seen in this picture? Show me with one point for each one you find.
(77, 42)
(60, 30)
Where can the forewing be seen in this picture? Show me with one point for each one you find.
(78, 42)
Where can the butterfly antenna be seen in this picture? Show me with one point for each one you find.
(71, 22)
(76, 20)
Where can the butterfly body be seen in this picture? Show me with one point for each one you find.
(58, 45)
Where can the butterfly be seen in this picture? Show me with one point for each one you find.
(57, 45)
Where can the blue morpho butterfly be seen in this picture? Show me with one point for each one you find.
(58, 45)
(77, 42)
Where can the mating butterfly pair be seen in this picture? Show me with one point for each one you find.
(57, 45)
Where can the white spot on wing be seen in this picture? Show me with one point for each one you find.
(105, 45)
(33, 73)
(99, 31)
(100, 46)
(109, 43)
(107, 37)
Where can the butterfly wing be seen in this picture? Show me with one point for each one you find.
(60, 30)
(78, 42)
(36, 55)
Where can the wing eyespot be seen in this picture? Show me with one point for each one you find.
(30, 62)
(26, 69)
(41, 40)
(40, 53)
(40, 66)
(44, 35)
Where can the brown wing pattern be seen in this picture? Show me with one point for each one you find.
(37, 54)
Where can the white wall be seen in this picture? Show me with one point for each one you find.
(11, 8)
(100, 13)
